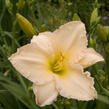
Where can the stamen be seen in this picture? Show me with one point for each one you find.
(58, 63)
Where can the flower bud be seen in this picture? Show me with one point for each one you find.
(107, 48)
(102, 33)
(107, 31)
(76, 17)
(9, 6)
(20, 4)
(92, 42)
(25, 25)
(94, 16)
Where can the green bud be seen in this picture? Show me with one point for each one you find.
(76, 17)
(9, 5)
(107, 48)
(20, 4)
(96, 4)
(25, 25)
(92, 42)
(94, 16)
(107, 30)
(102, 32)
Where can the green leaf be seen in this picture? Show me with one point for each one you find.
(16, 90)
(10, 103)
(103, 98)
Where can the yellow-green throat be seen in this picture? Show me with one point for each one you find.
(57, 64)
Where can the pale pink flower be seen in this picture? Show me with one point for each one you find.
(55, 62)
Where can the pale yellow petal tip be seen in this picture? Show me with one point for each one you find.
(47, 33)
(99, 58)
(34, 39)
(12, 57)
(78, 22)
(102, 58)
(19, 50)
(90, 57)
(34, 36)
(45, 94)
(47, 102)
(93, 92)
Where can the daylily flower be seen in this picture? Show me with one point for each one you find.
(54, 62)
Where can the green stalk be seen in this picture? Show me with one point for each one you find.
(21, 81)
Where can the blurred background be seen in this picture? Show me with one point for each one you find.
(47, 15)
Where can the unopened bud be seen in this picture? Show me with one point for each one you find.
(25, 25)
(76, 17)
(107, 31)
(92, 42)
(107, 48)
(20, 4)
(9, 5)
(102, 32)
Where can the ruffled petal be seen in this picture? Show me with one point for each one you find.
(31, 62)
(76, 84)
(45, 94)
(71, 38)
(43, 34)
(43, 40)
(90, 57)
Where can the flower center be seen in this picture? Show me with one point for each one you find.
(57, 65)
